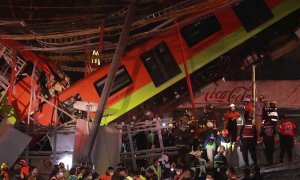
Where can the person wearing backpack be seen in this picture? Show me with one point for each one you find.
(268, 132)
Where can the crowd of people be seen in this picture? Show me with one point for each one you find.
(210, 149)
(214, 151)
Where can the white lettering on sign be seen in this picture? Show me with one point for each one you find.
(236, 94)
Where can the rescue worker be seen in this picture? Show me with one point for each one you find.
(272, 111)
(4, 171)
(156, 168)
(123, 172)
(209, 115)
(268, 132)
(210, 143)
(248, 137)
(248, 108)
(24, 167)
(220, 164)
(108, 174)
(231, 117)
(223, 140)
(286, 133)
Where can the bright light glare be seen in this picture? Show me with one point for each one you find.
(67, 160)
(164, 124)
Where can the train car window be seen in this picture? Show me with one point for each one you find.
(252, 13)
(160, 64)
(199, 30)
(122, 80)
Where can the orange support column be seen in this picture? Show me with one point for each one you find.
(186, 70)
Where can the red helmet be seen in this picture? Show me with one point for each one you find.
(78, 169)
(22, 162)
(225, 132)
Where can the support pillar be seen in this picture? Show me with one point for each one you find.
(86, 156)
(253, 93)
(187, 74)
(131, 147)
(161, 143)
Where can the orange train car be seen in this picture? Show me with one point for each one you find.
(21, 89)
(156, 65)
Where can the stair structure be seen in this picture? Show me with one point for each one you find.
(6, 64)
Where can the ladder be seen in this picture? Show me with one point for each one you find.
(6, 59)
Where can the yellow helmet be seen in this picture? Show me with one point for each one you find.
(4, 166)
(273, 102)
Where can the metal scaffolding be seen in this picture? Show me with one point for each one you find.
(11, 66)
(134, 153)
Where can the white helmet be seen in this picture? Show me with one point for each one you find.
(246, 100)
(231, 105)
(209, 124)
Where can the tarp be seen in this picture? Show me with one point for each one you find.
(81, 135)
(12, 143)
(64, 141)
(286, 93)
(106, 150)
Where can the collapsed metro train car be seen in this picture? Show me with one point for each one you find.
(156, 66)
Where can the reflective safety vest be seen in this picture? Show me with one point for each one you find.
(271, 113)
(287, 128)
(157, 171)
(141, 178)
(248, 131)
(211, 145)
(129, 178)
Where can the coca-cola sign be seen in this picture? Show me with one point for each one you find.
(233, 95)
(286, 93)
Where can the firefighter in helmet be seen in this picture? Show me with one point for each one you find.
(248, 138)
(231, 117)
(286, 133)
